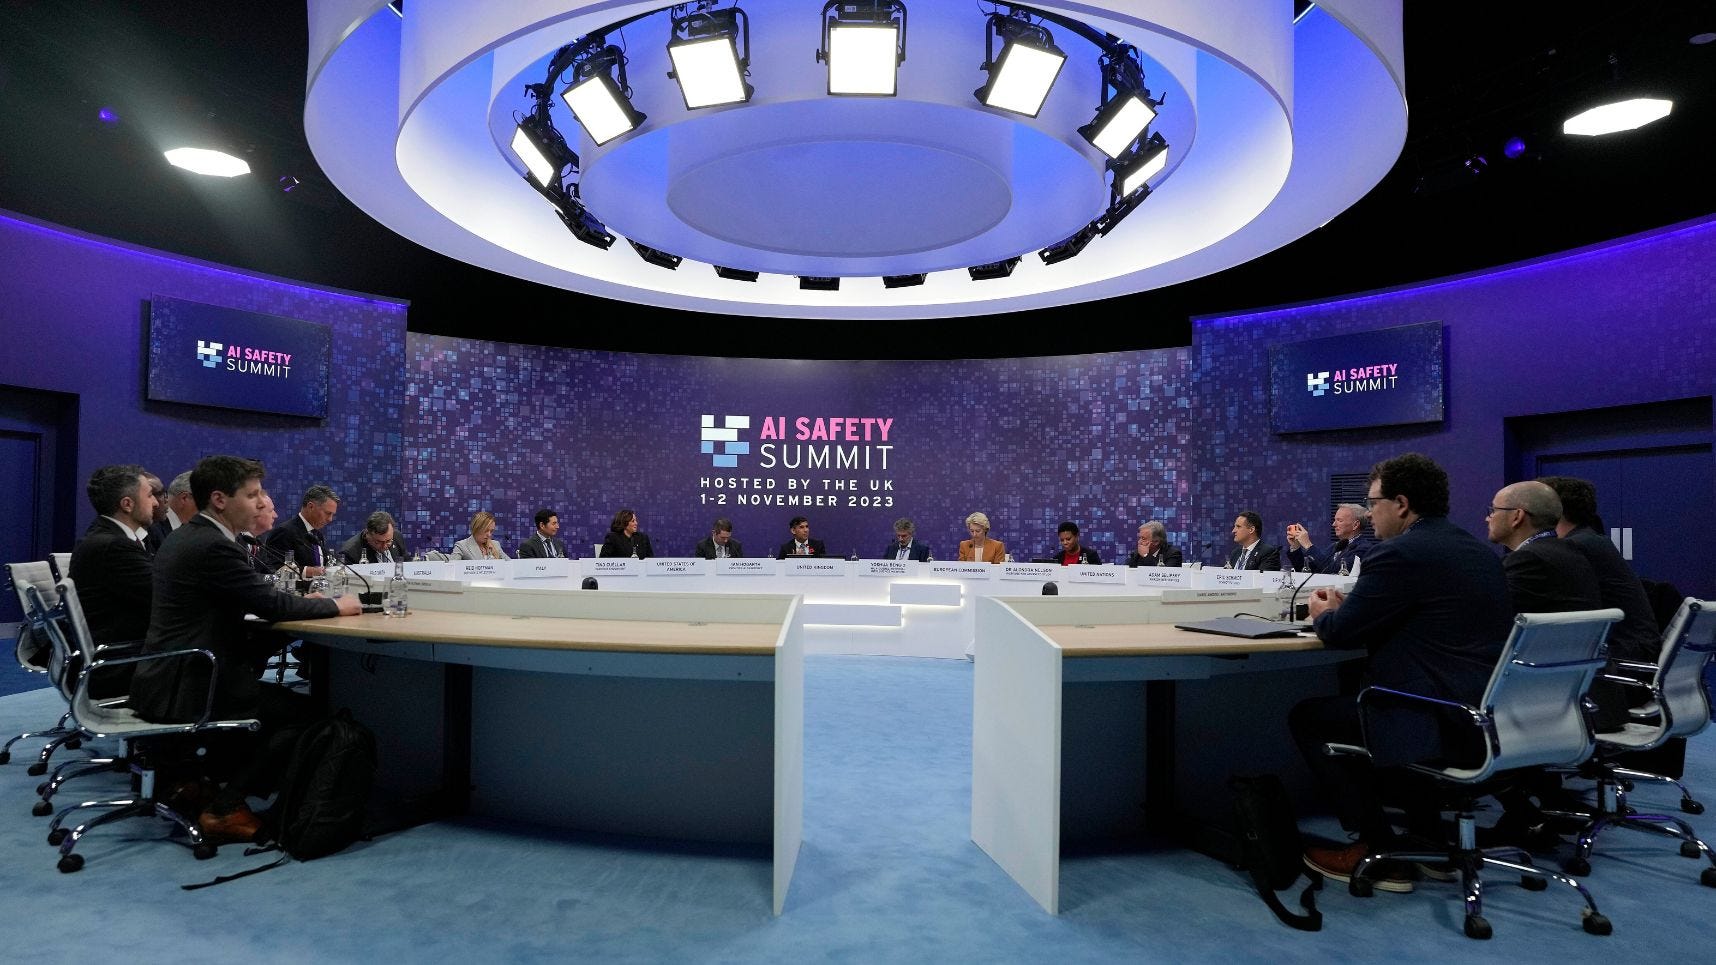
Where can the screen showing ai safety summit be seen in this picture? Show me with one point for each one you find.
(208, 355)
(1385, 377)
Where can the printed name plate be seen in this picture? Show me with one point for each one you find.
(1210, 596)
(541, 569)
(1032, 572)
(429, 570)
(813, 567)
(482, 571)
(1111, 575)
(747, 567)
(377, 573)
(1224, 579)
(434, 586)
(676, 567)
(1162, 577)
(888, 568)
(961, 571)
(612, 566)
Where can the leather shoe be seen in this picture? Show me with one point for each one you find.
(190, 797)
(235, 826)
(1339, 863)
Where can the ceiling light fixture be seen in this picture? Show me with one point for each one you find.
(599, 96)
(994, 270)
(1020, 79)
(1127, 108)
(819, 283)
(711, 53)
(1136, 170)
(217, 164)
(902, 281)
(1062, 250)
(1618, 116)
(656, 256)
(864, 44)
(737, 274)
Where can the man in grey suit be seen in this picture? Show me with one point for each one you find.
(544, 544)
(204, 586)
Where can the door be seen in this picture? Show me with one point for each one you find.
(21, 532)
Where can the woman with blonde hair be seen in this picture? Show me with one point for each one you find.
(980, 548)
(480, 545)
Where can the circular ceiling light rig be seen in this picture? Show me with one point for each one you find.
(844, 160)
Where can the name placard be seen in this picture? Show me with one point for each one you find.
(887, 568)
(376, 573)
(1209, 596)
(1111, 575)
(541, 569)
(612, 566)
(429, 570)
(747, 567)
(675, 566)
(1162, 577)
(434, 586)
(961, 571)
(482, 571)
(1224, 579)
(812, 567)
(1033, 572)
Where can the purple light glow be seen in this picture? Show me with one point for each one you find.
(1514, 147)
(108, 115)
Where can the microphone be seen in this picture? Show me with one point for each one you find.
(1293, 601)
(368, 591)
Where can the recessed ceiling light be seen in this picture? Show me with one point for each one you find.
(1624, 115)
(1703, 38)
(203, 161)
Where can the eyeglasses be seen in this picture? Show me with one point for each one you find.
(1371, 501)
(1492, 510)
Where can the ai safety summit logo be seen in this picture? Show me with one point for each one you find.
(1317, 383)
(728, 438)
(208, 353)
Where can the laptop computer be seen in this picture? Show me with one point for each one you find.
(1246, 627)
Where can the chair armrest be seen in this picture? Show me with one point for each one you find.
(1338, 750)
(1625, 681)
(1639, 666)
(1477, 718)
(121, 648)
(214, 674)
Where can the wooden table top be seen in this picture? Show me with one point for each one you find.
(1161, 640)
(549, 633)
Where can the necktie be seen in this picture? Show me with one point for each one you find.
(1244, 558)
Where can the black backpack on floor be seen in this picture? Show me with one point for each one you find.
(1271, 849)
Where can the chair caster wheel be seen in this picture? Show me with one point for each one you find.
(1689, 850)
(204, 851)
(1532, 883)
(56, 836)
(1578, 867)
(70, 863)
(1707, 877)
(38, 769)
(1627, 786)
(1597, 925)
(41, 788)
(1690, 806)
(1360, 888)
(42, 809)
(5, 757)
(74, 743)
(1477, 927)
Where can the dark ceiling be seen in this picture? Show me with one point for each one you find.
(233, 73)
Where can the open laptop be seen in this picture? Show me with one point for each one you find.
(1247, 627)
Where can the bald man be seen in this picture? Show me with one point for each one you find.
(1544, 574)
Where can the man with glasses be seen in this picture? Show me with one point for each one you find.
(1431, 610)
(1544, 574)
(377, 542)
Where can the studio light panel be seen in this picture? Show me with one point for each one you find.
(863, 58)
(708, 72)
(1023, 77)
(541, 169)
(599, 107)
(1121, 126)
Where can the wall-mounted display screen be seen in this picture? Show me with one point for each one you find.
(1386, 377)
(209, 355)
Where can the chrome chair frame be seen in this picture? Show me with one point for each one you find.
(20, 576)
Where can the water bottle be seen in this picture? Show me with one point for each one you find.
(1284, 591)
(340, 584)
(396, 590)
(319, 585)
(1355, 570)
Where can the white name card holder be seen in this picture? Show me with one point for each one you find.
(892, 569)
(1162, 577)
(961, 571)
(1210, 596)
(429, 570)
(424, 585)
(675, 566)
(813, 566)
(1224, 579)
(485, 572)
(612, 566)
(376, 573)
(1108, 575)
(747, 567)
(1027, 572)
(558, 568)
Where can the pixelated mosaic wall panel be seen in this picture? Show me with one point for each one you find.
(1630, 322)
(72, 314)
(1098, 439)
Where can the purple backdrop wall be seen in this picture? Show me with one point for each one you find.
(72, 321)
(1626, 322)
(1097, 439)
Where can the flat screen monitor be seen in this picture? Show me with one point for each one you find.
(1385, 377)
(231, 359)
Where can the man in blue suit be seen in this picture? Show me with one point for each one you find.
(906, 545)
(1431, 610)
(1350, 543)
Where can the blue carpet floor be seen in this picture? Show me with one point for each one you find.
(887, 874)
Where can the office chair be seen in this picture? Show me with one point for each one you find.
(1533, 714)
(32, 654)
(1676, 686)
(68, 634)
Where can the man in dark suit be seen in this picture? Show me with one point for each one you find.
(1430, 608)
(1637, 636)
(1350, 543)
(180, 508)
(204, 585)
(1153, 548)
(801, 544)
(1249, 550)
(906, 545)
(266, 561)
(301, 538)
(157, 489)
(112, 567)
(1544, 574)
(544, 544)
(720, 544)
(1071, 552)
(377, 542)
